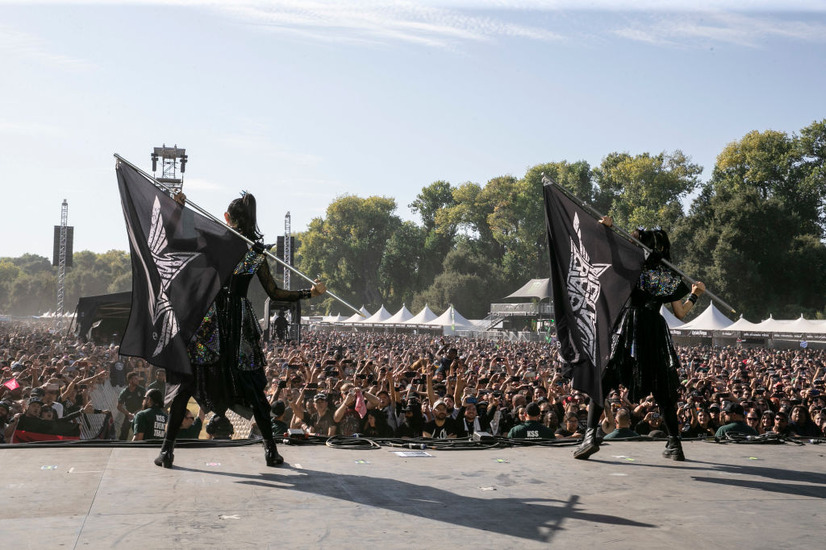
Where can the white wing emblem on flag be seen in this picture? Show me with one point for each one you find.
(169, 265)
(584, 290)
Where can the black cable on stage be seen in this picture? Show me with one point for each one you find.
(763, 439)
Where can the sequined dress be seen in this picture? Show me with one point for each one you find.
(642, 352)
(225, 352)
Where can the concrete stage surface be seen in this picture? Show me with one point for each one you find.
(626, 496)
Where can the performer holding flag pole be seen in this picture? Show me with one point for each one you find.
(190, 313)
(607, 297)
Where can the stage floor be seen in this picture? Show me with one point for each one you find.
(626, 496)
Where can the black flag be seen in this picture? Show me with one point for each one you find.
(180, 260)
(593, 272)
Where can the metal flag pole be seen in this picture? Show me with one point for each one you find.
(200, 210)
(627, 236)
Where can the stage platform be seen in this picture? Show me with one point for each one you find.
(626, 496)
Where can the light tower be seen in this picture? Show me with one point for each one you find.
(288, 250)
(171, 158)
(61, 266)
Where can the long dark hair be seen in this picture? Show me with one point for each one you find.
(242, 214)
(657, 240)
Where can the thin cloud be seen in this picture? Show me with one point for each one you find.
(710, 28)
(382, 22)
(19, 45)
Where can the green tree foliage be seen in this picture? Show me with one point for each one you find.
(645, 190)
(28, 284)
(754, 232)
(346, 248)
(466, 277)
(439, 231)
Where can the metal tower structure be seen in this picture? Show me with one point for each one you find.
(61, 267)
(171, 158)
(288, 250)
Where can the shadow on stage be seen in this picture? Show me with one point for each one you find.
(807, 484)
(528, 518)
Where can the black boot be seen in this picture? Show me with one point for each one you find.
(271, 453)
(166, 457)
(674, 449)
(589, 445)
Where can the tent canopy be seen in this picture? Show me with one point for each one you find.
(400, 316)
(423, 317)
(378, 317)
(710, 319)
(535, 288)
(355, 318)
(670, 319)
(450, 318)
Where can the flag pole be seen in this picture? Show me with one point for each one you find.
(200, 210)
(627, 236)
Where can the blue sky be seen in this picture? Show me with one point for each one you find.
(303, 101)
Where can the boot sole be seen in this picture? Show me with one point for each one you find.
(586, 453)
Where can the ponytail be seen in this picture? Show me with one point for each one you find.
(242, 213)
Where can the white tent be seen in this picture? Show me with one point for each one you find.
(772, 325)
(451, 318)
(804, 326)
(401, 316)
(670, 319)
(535, 288)
(355, 318)
(333, 318)
(378, 317)
(422, 318)
(743, 325)
(710, 319)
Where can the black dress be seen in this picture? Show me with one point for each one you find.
(228, 364)
(642, 352)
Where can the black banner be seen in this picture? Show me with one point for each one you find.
(180, 260)
(593, 272)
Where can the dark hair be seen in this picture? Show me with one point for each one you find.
(219, 427)
(657, 240)
(155, 396)
(278, 408)
(242, 214)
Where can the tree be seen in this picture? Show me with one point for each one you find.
(400, 273)
(346, 248)
(439, 232)
(645, 190)
(753, 234)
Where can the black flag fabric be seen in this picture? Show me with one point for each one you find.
(593, 272)
(180, 260)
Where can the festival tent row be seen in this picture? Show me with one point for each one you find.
(449, 321)
(712, 323)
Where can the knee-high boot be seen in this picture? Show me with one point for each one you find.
(166, 457)
(271, 453)
(590, 444)
(673, 447)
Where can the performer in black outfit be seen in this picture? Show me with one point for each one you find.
(225, 352)
(642, 353)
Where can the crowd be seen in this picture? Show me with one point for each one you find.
(407, 386)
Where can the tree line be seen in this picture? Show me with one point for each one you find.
(753, 232)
